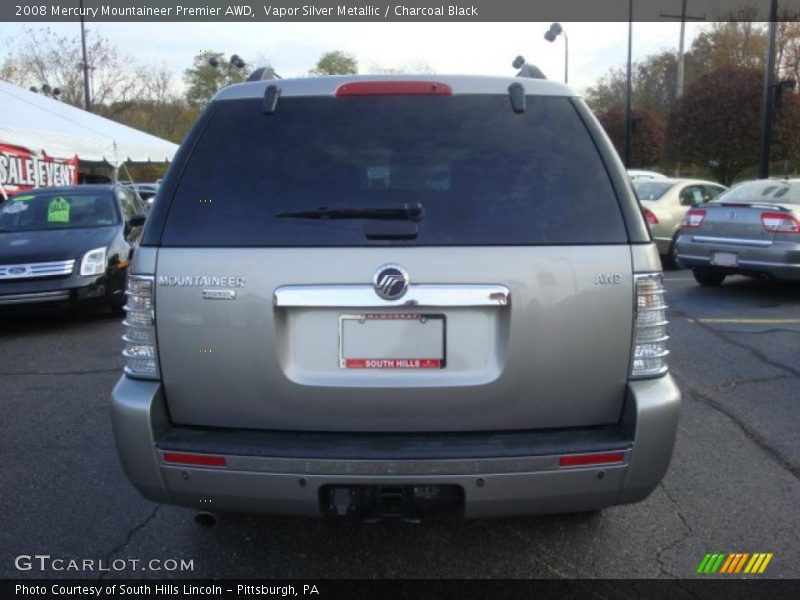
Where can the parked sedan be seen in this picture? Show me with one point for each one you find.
(637, 174)
(753, 229)
(68, 246)
(665, 202)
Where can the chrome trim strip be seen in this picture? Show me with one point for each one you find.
(762, 263)
(731, 241)
(470, 466)
(54, 296)
(742, 263)
(321, 296)
(43, 269)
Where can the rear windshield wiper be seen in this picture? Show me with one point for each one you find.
(409, 211)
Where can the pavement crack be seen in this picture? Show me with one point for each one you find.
(129, 536)
(754, 437)
(727, 338)
(676, 504)
(730, 384)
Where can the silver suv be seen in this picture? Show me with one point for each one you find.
(375, 296)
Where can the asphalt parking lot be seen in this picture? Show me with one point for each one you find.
(732, 486)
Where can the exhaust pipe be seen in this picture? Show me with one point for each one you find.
(205, 519)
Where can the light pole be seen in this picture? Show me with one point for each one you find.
(768, 94)
(627, 149)
(550, 35)
(87, 99)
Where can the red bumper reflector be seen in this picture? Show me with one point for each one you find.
(582, 460)
(204, 460)
(394, 88)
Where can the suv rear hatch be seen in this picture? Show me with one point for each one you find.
(518, 311)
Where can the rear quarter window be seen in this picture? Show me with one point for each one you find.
(485, 175)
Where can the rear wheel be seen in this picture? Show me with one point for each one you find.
(708, 277)
(670, 260)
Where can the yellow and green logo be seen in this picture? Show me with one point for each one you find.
(734, 562)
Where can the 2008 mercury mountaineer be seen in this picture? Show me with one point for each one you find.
(376, 295)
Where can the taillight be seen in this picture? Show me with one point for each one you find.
(780, 223)
(649, 328)
(650, 216)
(140, 353)
(693, 218)
(394, 88)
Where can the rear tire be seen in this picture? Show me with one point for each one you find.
(708, 277)
(670, 260)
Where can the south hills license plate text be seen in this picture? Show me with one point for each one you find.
(392, 341)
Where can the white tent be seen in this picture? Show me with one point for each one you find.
(43, 125)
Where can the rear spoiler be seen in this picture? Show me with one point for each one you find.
(763, 205)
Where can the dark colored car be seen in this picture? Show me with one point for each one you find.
(68, 246)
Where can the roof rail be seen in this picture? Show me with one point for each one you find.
(527, 70)
(263, 73)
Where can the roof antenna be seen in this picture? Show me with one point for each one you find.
(527, 70)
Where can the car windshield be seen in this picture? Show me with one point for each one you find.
(651, 190)
(779, 192)
(41, 210)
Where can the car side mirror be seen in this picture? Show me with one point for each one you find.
(137, 220)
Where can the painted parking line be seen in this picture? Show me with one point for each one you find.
(747, 321)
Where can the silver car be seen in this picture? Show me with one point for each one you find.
(665, 202)
(378, 296)
(752, 229)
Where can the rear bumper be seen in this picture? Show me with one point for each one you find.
(780, 259)
(502, 474)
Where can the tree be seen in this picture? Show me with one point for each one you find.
(414, 66)
(653, 84)
(741, 43)
(203, 79)
(42, 56)
(647, 135)
(788, 53)
(718, 122)
(335, 63)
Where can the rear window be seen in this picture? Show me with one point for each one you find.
(781, 192)
(651, 190)
(484, 174)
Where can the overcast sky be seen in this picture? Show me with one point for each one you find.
(480, 48)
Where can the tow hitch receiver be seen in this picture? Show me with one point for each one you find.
(376, 502)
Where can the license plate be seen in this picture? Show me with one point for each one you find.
(724, 259)
(392, 341)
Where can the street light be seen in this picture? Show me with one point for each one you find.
(235, 61)
(550, 35)
(46, 90)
